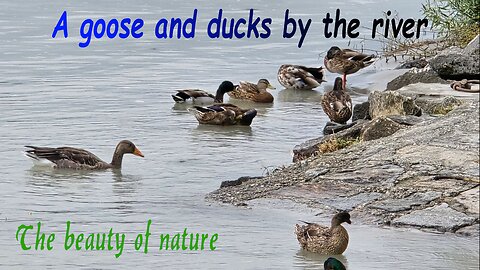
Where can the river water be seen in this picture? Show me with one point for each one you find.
(52, 93)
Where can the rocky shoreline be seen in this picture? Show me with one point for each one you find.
(410, 159)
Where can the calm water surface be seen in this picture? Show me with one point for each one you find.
(53, 93)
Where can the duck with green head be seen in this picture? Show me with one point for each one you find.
(333, 264)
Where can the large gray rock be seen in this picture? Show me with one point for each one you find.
(441, 217)
(378, 128)
(439, 106)
(391, 103)
(456, 64)
(361, 111)
(411, 77)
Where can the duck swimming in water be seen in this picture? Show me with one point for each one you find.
(202, 97)
(322, 239)
(253, 92)
(300, 77)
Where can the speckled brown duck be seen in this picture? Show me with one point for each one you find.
(253, 92)
(337, 103)
(346, 61)
(223, 114)
(79, 159)
(324, 240)
(201, 96)
(300, 77)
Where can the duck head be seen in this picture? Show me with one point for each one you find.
(264, 84)
(224, 87)
(333, 51)
(338, 84)
(341, 218)
(333, 264)
(124, 147)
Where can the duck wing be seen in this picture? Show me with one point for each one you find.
(299, 77)
(183, 95)
(312, 232)
(64, 156)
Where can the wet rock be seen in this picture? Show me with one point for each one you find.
(361, 111)
(440, 217)
(412, 77)
(331, 127)
(439, 106)
(391, 103)
(456, 64)
(402, 204)
(470, 200)
(470, 230)
(310, 147)
(416, 63)
(349, 203)
(407, 120)
(379, 128)
(239, 181)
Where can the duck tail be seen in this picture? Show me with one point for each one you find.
(247, 117)
(178, 99)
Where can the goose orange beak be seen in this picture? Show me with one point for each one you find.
(137, 152)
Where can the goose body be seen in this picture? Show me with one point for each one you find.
(80, 159)
(337, 103)
(224, 114)
(199, 96)
(300, 77)
(254, 92)
(346, 61)
(322, 239)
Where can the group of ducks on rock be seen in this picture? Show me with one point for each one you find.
(337, 103)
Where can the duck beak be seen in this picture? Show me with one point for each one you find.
(137, 152)
(271, 87)
(349, 222)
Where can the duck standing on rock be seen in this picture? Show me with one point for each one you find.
(254, 92)
(202, 97)
(79, 159)
(337, 103)
(324, 240)
(300, 77)
(346, 61)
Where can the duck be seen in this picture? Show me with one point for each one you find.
(300, 77)
(80, 159)
(333, 264)
(322, 239)
(203, 97)
(337, 103)
(346, 61)
(253, 92)
(224, 114)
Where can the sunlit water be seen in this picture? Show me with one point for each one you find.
(53, 93)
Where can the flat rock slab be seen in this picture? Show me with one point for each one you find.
(349, 203)
(396, 205)
(470, 199)
(441, 217)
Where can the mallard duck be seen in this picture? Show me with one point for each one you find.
(324, 240)
(333, 264)
(337, 103)
(201, 96)
(79, 159)
(224, 114)
(254, 92)
(300, 77)
(346, 61)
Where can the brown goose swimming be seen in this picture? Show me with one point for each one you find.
(324, 240)
(202, 97)
(300, 77)
(79, 159)
(337, 103)
(254, 92)
(346, 61)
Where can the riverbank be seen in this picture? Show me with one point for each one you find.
(416, 164)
